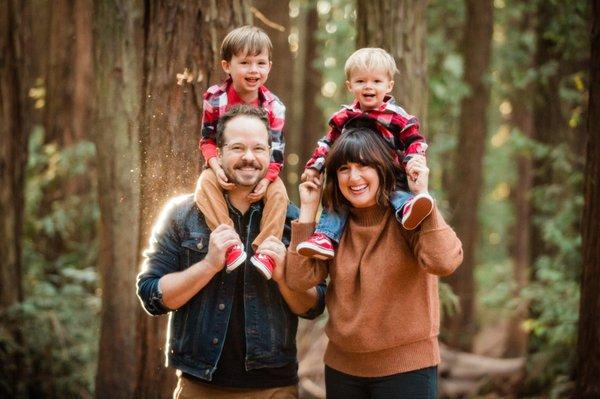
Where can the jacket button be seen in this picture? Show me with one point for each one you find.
(215, 341)
(221, 306)
(200, 245)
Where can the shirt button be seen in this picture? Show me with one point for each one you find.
(215, 341)
(221, 306)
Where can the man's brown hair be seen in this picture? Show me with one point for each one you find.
(241, 110)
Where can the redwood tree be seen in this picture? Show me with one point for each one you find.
(153, 60)
(465, 191)
(13, 161)
(588, 347)
(399, 27)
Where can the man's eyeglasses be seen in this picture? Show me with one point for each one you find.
(240, 149)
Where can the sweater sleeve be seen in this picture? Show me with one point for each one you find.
(436, 247)
(302, 273)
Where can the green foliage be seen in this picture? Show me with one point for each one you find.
(59, 318)
(446, 88)
(337, 39)
(554, 291)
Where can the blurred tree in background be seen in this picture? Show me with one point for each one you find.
(100, 126)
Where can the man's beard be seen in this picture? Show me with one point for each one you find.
(242, 164)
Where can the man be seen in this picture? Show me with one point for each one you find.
(230, 334)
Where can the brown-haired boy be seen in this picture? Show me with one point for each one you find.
(246, 58)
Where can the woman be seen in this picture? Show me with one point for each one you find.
(383, 296)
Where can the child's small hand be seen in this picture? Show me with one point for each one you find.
(418, 167)
(259, 190)
(311, 174)
(420, 159)
(222, 179)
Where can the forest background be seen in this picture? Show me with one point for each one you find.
(100, 114)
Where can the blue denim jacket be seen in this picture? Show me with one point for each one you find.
(197, 329)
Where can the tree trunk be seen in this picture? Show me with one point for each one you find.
(549, 124)
(147, 132)
(399, 27)
(118, 53)
(313, 125)
(13, 162)
(465, 192)
(588, 348)
(175, 40)
(67, 103)
(520, 244)
(274, 18)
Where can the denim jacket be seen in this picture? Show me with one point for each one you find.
(197, 329)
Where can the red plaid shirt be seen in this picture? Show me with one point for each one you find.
(399, 129)
(219, 98)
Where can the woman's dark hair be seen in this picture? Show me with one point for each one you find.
(359, 143)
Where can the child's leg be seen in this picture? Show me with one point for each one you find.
(398, 199)
(332, 224)
(209, 198)
(411, 210)
(401, 194)
(329, 230)
(273, 216)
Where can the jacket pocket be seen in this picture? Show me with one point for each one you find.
(195, 250)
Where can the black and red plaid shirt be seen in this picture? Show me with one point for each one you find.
(219, 98)
(399, 129)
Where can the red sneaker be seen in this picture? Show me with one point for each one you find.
(264, 263)
(234, 257)
(317, 246)
(416, 210)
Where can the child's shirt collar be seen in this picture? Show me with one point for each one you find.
(387, 101)
(264, 95)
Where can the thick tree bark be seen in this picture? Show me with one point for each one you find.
(464, 193)
(118, 54)
(178, 36)
(400, 27)
(13, 162)
(147, 131)
(588, 347)
(274, 18)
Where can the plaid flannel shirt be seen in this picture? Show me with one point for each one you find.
(219, 98)
(399, 129)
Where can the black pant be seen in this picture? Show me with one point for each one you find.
(410, 385)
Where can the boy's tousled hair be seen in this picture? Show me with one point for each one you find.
(246, 39)
(370, 58)
(359, 143)
(240, 110)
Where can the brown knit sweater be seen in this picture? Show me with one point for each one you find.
(383, 295)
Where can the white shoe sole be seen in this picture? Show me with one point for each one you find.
(261, 268)
(241, 259)
(313, 251)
